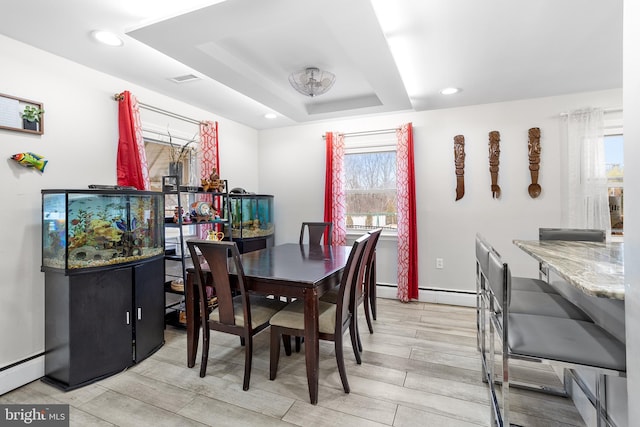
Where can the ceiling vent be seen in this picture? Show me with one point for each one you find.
(185, 78)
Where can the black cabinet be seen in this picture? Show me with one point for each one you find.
(99, 322)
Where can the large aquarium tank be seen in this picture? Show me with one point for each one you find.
(251, 215)
(97, 228)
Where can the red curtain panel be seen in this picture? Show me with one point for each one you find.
(334, 195)
(131, 166)
(209, 160)
(407, 224)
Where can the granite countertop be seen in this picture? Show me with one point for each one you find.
(595, 268)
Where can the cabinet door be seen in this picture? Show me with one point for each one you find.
(148, 307)
(100, 323)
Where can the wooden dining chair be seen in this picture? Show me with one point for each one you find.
(317, 230)
(333, 319)
(243, 315)
(362, 289)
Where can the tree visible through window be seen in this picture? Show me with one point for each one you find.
(614, 159)
(370, 187)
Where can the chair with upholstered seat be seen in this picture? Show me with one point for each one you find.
(243, 315)
(316, 231)
(362, 290)
(333, 320)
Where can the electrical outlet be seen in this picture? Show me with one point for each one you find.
(439, 263)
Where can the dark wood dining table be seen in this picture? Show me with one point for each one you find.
(287, 270)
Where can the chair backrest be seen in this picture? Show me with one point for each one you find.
(349, 278)
(572, 234)
(316, 231)
(367, 267)
(216, 254)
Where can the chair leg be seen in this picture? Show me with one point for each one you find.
(299, 341)
(373, 290)
(274, 352)
(341, 367)
(354, 343)
(205, 350)
(505, 382)
(358, 335)
(248, 353)
(367, 313)
(286, 341)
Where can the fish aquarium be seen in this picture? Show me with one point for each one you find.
(98, 228)
(251, 215)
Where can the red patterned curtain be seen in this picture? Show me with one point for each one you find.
(407, 228)
(334, 195)
(209, 160)
(131, 164)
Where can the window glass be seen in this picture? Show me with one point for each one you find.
(614, 159)
(370, 187)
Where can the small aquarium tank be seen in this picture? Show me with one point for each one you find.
(97, 228)
(251, 215)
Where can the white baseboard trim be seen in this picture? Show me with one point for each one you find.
(21, 374)
(431, 295)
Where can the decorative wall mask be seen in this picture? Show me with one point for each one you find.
(494, 162)
(534, 162)
(459, 155)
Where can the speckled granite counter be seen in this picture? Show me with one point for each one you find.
(597, 269)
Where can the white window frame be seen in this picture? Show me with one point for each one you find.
(372, 143)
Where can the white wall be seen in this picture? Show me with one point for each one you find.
(80, 142)
(632, 201)
(292, 162)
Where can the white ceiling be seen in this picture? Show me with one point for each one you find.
(388, 55)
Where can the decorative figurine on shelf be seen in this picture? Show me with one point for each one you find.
(494, 162)
(201, 211)
(176, 214)
(215, 235)
(30, 160)
(214, 183)
(534, 162)
(458, 154)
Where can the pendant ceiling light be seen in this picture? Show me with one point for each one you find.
(312, 81)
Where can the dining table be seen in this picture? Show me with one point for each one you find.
(291, 270)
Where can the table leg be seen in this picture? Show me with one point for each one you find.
(193, 319)
(311, 342)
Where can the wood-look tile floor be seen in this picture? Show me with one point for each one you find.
(419, 368)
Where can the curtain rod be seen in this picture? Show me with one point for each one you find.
(367, 132)
(118, 97)
(604, 110)
(164, 134)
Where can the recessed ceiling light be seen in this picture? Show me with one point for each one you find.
(185, 78)
(106, 37)
(270, 116)
(449, 90)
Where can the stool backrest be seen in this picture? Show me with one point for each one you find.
(498, 279)
(572, 234)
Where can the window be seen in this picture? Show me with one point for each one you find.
(370, 182)
(614, 159)
(158, 158)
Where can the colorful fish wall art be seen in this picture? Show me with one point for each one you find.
(30, 160)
